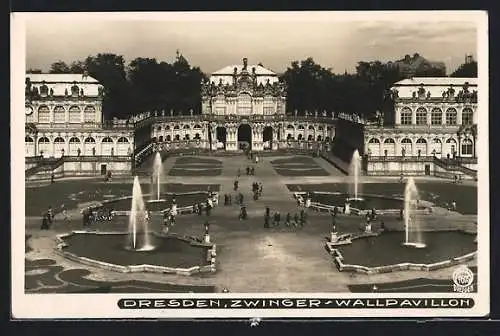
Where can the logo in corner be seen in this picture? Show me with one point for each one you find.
(463, 278)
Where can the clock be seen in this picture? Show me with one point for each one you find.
(28, 110)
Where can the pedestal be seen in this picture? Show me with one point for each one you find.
(207, 238)
(347, 209)
(333, 237)
(368, 228)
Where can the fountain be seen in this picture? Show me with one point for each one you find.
(139, 238)
(413, 234)
(157, 178)
(354, 171)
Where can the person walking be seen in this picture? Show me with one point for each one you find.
(288, 219)
(277, 218)
(296, 220)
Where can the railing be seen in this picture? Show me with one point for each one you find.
(453, 166)
(111, 158)
(45, 165)
(106, 125)
(399, 158)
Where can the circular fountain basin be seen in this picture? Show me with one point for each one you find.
(365, 202)
(182, 200)
(110, 250)
(386, 249)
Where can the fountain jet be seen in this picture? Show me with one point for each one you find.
(139, 238)
(354, 172)
(413, 234)
(157, 177)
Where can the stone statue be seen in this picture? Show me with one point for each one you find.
(66, 91)
(245, 64)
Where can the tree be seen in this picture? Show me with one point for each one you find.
(109, 70)
(59, 67)
(466, 70)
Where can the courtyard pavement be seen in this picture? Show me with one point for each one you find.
(250, 258)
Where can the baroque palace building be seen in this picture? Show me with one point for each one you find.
(65, 128)
(243, 107)
(431, 129)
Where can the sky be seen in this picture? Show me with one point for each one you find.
(334, 40)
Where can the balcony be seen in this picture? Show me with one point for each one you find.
(400, 158)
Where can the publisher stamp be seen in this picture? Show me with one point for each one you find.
(250, 164)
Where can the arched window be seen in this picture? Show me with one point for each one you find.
(421, 116)
(289, 136)
(89, 146)
(301, 127)
(467, 147)
(406, 116)
(318, 138)
(44, 146)
(320, 128)
(197, 126)
(389, 147)
(89, 115)
(309, 137)
(436, 147)
(159, 128)
(176, 127)
(28, 139)
(311, 128)
(43, 114)
(59, 145)
(186, 127)
(167, 128)
(436, 116)
(74, 145)
(59, 115)
(197, 136)
(451, 116)
(290, 127)
(75, 115)
(406, 145)
(374, 147)
(107, 146)
(29, 146)
(467, 116)
(177, 137)
(186, 137)
(160, 139)
(123, 140)
(169, 138)
(375, 140)
(299, 137)
(421, 147)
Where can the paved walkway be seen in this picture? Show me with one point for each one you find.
(251, 258)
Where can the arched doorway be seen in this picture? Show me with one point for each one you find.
(267, 137)
(221, 136)
(244, 137)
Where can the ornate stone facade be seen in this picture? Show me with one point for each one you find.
(63, 118)
(435, 118)
(243, 106)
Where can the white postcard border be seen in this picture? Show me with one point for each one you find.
(105, 305)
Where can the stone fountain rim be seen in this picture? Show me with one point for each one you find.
(146, 268)
(406, 266)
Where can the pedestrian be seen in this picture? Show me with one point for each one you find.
(64, 213)
(335, 211)
(50, 215)
(261, 186)
(172, 219)
(52, 178)
(236, 185)
(248, 170)
(226, 202)
(255, 196)
(296, 220)
(454, 205)
(288, 219)
(277, 218)
(244, 213)
(268, 211)
(252, 171)
(266, 221)
(166, 218)
(240, 197)
(45, 222)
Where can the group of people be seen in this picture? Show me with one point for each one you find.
(297, 220)
(257, 190)
(250, 170)
(47, 219)
(228, 199)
